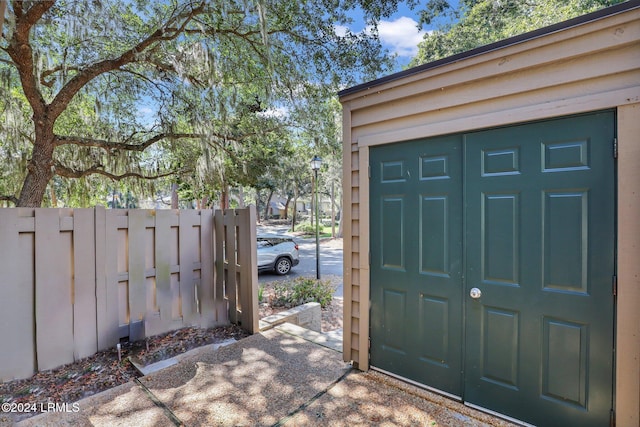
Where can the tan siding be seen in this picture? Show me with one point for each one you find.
(507, 91)
(595, 37)
(347, 161)
(628, 334)
(565, 106)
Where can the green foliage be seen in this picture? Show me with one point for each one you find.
(214, 92)
(480, 22)
(260, 293)
(308, 228)
(302, 290)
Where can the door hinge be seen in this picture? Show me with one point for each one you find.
(615, 148)
(614, 285)
(369, 171)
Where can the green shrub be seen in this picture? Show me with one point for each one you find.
(302, 290)
(260, 293)
(307, 228)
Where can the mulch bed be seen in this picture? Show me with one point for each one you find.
(102, 371)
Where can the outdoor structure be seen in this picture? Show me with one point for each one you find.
(75, 281)
(491, 234)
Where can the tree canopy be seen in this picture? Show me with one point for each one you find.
(103, 90)
(479, 22)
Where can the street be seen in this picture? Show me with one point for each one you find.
(330, 257)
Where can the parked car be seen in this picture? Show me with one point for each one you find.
(278, 254)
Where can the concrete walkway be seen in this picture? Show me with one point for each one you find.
(275, 378)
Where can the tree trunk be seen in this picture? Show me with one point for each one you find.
(241, 198)
(294, 216)
(224, 197)
(40, 171)
(333, 209)
(266, 209)
(174, 196)
(286, 207)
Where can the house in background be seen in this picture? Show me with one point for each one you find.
(492, 233)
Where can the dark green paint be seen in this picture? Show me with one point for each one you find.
(535, 206)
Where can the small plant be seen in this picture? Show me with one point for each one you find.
(260, 293)
(308, 228)
(302, 290)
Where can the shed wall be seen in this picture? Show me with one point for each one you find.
(589, 67)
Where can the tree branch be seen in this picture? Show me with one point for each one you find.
(168, 32)
(67, 172)
(21, 53)
(113, 145)
(47, 73)
(12, 199)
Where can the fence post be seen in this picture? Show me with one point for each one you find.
(247, 258)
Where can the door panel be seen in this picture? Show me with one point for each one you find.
(540, 247)
(534, 206)
(416, 261)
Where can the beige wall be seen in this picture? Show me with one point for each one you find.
(584, 68)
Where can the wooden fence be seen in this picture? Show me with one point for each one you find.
(75, 281)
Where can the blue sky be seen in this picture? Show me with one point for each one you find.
(400, 33)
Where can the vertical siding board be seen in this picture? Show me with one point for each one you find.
(628, 316)
(85, 340)
(137, 265)
(247, 253)
(16, 297)
(220, 296)
(54, 328)
(188, 244)
(206, 288)
(230, 275)
(111, 317)
(346, 231)
(363, 255)
(102, 324)
(163, 267)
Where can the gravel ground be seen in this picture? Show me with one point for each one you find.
(103, 371)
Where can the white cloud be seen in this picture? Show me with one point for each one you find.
(277, 112)
(401, 36)
(340, 30)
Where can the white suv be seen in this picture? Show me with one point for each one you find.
(276, 253)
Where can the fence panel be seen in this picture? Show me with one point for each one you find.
(53, 291)
(189, 260)
(85, 342)
(248, 263)
(77, 281)
(136, 278)
(17, 358)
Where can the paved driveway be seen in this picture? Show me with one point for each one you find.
(330, 257)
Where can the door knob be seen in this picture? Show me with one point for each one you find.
(475, 293)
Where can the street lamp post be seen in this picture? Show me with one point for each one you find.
(315, 165)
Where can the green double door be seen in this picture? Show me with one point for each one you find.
(492, 262)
